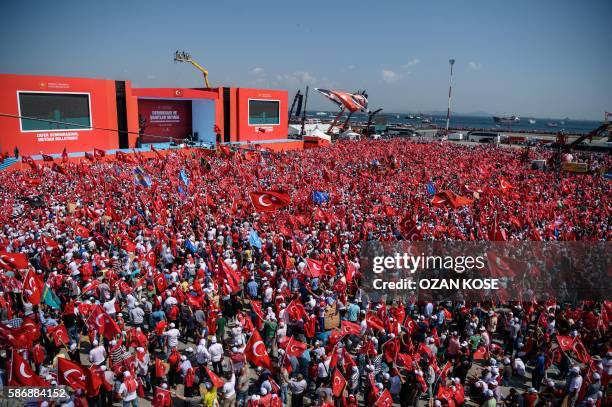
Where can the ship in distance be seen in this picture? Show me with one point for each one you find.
(506, 119)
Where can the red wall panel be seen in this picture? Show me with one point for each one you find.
(103, 114)
(255, 132)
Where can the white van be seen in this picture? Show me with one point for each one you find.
(455, 136)
(483, 137)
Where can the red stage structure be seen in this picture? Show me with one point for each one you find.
(47, 114)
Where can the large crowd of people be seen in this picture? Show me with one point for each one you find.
(163, 279)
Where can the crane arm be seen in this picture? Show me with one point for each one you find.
(201, 69)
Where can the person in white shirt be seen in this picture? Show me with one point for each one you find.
(109, 306)
(172, 335)
(575, 384)
(127, 390)
(229, 392)
(216, 355)
(519, 367)
(97, 355)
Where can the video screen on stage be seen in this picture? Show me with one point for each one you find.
(54, 111)
(264, 112)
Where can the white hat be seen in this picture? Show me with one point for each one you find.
(126, 374)
(213, 339)
(95, 342)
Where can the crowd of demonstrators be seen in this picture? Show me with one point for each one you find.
(161, 278)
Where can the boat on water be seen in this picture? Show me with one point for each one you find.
(321, 114)
(410, 116)
(426, 120)
(506, 119)
(552, 124)
(532, 121)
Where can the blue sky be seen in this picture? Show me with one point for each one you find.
(545, 58)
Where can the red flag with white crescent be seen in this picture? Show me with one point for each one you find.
(13, 261)
(296, 310)
(269, 201)
(74, 375)
(385, 400)
(349, 328)
(338, 383)
(22, 374)
(256, 351)
(32, 284)
(314, 267)
(295, 348)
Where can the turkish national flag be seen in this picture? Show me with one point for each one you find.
(160, 282)
(13, 261)
(385, 400)
(256, 352)
(314, 267)
(566, 343)
(214, 379)
(505, 185)
(374, 322)
(295, 348)
(269, 201)
(103, 323)
(99, 153)
(309, 327)
(22, 374)
(34, 285)
(59, 335)
(233, 279)
(406, 360)
(349, 328)
(390, 349)
(17, 338)
(338, 383)
(48, 242)
(581, 352)
(162, 398)
(151, 258)
(296, 310)
(500, 266)
(74, 375)
(409, 229)
(81, 231)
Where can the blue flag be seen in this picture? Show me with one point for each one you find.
(319, 197)
(254, 239)
(141, 177)
(190, 246)
(183, 177)
(50, 298)
(431, 188)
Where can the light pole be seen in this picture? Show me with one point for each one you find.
(450, 87)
